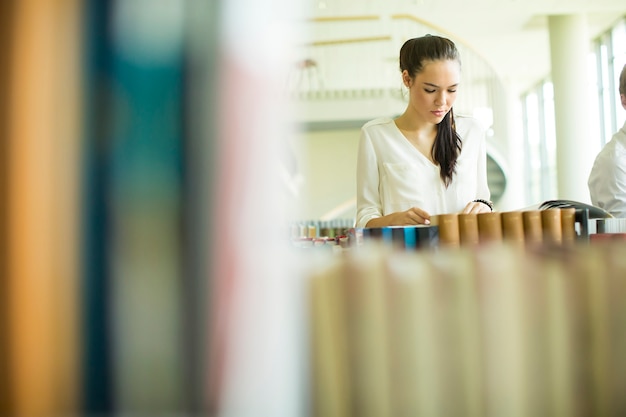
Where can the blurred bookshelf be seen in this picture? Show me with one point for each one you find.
(502, 331)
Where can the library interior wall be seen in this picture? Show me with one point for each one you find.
(327, 163)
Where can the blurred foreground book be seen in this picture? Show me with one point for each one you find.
(494, 330)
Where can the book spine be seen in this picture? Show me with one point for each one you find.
(43, 143)
(402, 237)
(590, 272)
(468, 229)
(607, 237)
(6, 38)
(611, 225)
(503, 332)
(568, 225)
(533, 231)
(96, 394)
(616, 291)
(513, 227)
(144, 87)
(412, 337)
(551, 226)
(366, 314)
(454, 314)
(558, 335)
(449, 234)
(427, 237)
(330, 387)
(490, 227)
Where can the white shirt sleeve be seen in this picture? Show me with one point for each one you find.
(367, 179)
(607, 181)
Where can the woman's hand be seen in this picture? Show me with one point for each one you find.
(476, 207)
(410, 217)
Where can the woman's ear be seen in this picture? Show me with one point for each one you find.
(406, 79)
(623, 97)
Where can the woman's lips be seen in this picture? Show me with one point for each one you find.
(439, 113)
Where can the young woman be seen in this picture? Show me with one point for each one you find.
(426, 161)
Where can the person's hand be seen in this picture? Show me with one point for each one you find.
(410, 217)
(476, 207)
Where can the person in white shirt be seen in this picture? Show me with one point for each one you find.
(426, 161)
(607, 181)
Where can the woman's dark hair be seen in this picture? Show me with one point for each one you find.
(413, 55)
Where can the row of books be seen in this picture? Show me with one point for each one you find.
(491, 331)
(311, 229)
(553, 222)
(528, 227)
(611, 225)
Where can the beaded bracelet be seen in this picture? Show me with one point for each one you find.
(488, 203)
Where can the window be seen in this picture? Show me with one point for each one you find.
(610, 57)
(540, 140)
(606, 61)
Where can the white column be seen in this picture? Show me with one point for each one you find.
(569, 49)
(507, 124)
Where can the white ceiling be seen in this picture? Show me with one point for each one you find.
(511, 35)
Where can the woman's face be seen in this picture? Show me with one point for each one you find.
(433, 91)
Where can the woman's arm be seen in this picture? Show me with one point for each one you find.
(368, 202)
(409, 217)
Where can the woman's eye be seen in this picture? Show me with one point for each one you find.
(429, 91)
(451, 91)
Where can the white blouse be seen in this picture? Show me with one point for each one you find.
(393, 176)
(607, 181)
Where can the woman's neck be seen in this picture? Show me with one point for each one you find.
(408, 123)
(420, 135)
(415, 130)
